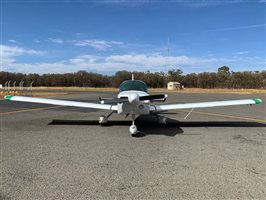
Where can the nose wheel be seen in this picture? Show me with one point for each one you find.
(133, 129)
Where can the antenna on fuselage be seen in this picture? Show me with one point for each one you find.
(132, 76)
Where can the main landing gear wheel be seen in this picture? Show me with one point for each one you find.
(103, 120)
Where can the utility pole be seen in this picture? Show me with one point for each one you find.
(167, 63)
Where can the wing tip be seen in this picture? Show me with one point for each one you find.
(8, 97)
(257, 101)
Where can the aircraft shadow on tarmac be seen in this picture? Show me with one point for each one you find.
(148, 125)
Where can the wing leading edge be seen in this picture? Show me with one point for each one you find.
(62, 102)
(153, 108)
(156, 108)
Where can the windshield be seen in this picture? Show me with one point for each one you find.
(133, 85)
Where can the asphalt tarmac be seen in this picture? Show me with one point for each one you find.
(55, 152)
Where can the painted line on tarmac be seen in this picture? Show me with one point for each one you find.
(225, 116)
(30, 110)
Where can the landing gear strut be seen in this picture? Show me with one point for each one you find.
(133, 129)
(104, 119)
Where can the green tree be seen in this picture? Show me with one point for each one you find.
(175, 75)
(223, 76)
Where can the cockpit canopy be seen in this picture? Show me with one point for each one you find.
(133, 85)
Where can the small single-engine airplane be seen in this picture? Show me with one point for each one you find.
(133, 99)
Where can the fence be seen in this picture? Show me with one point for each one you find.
(10, 88)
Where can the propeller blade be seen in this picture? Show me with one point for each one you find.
(152, 97)
(113, 100)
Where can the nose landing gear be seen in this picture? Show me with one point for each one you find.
(133, 128)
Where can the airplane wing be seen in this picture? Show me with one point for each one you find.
(158, 108)
(61, 102)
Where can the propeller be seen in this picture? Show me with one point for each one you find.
(161, 97)
(154, 97)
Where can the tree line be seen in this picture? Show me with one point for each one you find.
(223, 78)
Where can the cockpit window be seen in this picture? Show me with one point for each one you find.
(133, 85)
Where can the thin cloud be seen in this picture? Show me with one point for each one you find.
(237, 28)
(139, 62)
(15, 42)
(241, 52)
(89, 59)
(10, 52)
(112, 63)
(56, 40)
(127, 3)
(187, 3)
(192, 3)
(207, 3)
(159, 60)
(100, 45)
(36, 41)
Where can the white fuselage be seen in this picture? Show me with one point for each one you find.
(134, 106)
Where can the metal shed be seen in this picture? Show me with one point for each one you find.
(173, 86)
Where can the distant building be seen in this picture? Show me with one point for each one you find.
(174, 86)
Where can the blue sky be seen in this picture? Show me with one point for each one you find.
(105, 36)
